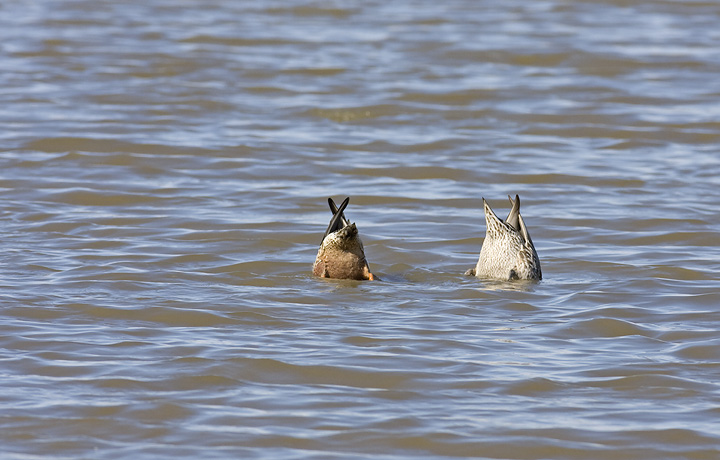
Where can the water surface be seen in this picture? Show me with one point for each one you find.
(165, 170)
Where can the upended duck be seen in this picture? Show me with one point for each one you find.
(341, 254)
(507, 252)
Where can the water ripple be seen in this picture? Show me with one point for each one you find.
(165, 170)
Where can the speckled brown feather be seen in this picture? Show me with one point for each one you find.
(341, 254)
(507, 252)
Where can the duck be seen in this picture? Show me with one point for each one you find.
(507, 252)
(341, 254)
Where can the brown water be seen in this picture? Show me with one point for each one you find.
(165, 170)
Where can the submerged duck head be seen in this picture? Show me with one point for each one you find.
(341, 254)
(508, 252)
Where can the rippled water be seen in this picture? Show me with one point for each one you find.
(165, 170)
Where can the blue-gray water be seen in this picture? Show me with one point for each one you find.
(165, 167)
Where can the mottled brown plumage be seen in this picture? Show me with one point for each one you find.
(341, 254)
(508, 252)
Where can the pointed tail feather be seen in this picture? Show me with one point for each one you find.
(337, 218)
(334, 210)
(514, 215)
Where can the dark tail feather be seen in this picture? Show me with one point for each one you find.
(334, 210)
(338, 218)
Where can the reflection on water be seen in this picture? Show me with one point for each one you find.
(517, 285)
(165, 170)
